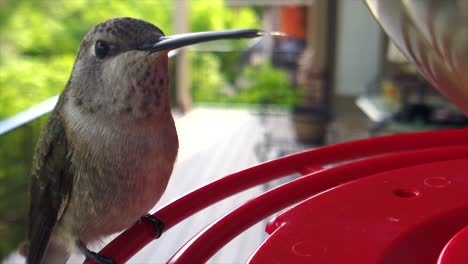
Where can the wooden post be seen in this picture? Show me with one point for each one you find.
(183, 96)
(317, 27)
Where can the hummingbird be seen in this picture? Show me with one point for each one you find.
(106, 153)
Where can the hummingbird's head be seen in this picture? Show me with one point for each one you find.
(122, 67)
(115, 75)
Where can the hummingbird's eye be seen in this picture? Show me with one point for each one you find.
(101, 49)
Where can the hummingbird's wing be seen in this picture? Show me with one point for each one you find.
(51, 183)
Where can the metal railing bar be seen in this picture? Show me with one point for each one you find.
(28, 115)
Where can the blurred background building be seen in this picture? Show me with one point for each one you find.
(335, 77)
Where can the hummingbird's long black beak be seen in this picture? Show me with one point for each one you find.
(181, 40)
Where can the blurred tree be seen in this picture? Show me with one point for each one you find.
(39, 40)
(267, 85)
(214, 15)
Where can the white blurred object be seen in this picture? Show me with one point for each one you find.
(433, 35)
(14, 258)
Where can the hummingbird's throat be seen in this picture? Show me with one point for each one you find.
(146, 92)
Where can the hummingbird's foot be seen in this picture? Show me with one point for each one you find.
(98, 258)
(156, 222)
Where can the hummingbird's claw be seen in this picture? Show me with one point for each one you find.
(156, 222)
(91, 255)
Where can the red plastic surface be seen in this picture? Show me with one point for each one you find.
(456, 250)
(405, 150)
(399, 216)
(211, 239)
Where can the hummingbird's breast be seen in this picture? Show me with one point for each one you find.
(120, 173)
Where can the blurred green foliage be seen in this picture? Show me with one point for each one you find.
(15, 160)
(268, 85)
(39, 40)
(207, 82)
(38, 43)
(261, 84)
(24, 82)
(214, 15)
